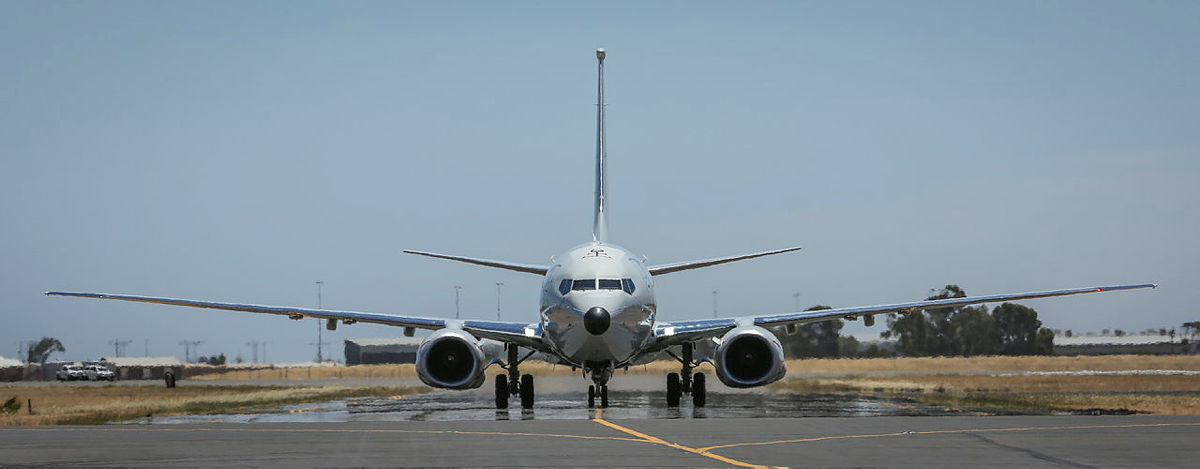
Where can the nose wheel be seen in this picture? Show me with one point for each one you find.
(685, 382)
(601, 393)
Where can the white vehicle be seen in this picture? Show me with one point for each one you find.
(70, 373)
(99, 372)
(598, 314)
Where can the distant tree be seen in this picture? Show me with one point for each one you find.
(1119, 333)
(39, 352)
(927, 332)
(818, 339)
(1018, 327)
(847, 346)
(1104, 332)
(1068, 333)
(1044, 342)
(976, 332)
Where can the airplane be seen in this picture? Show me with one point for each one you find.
(598, 313)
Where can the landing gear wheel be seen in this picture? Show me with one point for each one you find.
(673, 390)
(604, 396)
(591, 396)
(698, 390)
(501, 392)
(526, 391)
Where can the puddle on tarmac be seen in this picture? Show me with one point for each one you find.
(450, 405)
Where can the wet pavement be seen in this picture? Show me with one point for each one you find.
(565, 398)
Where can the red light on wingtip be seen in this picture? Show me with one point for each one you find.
(1099, 289)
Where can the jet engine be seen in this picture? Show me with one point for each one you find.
(749, 356)
(452, 359)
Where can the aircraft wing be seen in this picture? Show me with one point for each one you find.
(528, 335)
(683, 331)
(514, 266)
(688, 265)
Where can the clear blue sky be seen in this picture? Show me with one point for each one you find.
(242, 151)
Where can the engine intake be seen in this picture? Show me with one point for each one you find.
(451, 359)
(748, 357)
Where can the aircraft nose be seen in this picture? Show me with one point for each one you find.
(596, 320)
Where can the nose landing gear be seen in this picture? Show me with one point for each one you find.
(685, 382)
(601, 372)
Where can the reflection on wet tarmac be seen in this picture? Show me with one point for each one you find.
(451, 405)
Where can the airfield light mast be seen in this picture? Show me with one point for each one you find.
(320, 358)
(457, 288)
(498, 285)
(119, 346)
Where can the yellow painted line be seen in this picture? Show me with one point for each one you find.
(946, 432)
(660, 441)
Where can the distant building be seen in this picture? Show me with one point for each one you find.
(377, 351)
(1089, 344)
(11, 369)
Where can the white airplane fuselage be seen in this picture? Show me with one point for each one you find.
(597, 306)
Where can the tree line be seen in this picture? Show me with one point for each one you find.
(1009, 329)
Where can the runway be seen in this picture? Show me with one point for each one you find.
(1022, 441)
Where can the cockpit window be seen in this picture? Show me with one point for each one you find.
(564, 286)
(610, 284)
(627, 285)
(584, 284)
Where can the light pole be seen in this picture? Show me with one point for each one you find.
(457, 288)
(320, 358)
(714, 303)
(498, 285)
(796, 296)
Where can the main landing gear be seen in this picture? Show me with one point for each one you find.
(685, 382)
(514, 383)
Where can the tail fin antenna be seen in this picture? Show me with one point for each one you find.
(600, 225)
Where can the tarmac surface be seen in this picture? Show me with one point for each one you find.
(1014, 441)
(738, 428)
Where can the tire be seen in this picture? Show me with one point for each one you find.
(591, 396)
(526, 391)
(698, 390)
(673, 390)
(501, 392)
(604, 396)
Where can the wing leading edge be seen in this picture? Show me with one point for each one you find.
(683, 331)
(689, 265)
(528, 335)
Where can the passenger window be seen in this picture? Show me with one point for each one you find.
(610, 284)
(564, 286)
(584, 284)
(627, 285)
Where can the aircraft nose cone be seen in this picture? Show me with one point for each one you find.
(596, 320)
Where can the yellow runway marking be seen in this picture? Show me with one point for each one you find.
(946, 432)
(660, 441)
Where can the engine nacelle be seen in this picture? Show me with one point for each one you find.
(749, 356)
(452, 359)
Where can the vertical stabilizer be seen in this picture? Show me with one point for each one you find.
(600, 225)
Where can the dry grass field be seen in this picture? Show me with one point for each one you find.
(92, 405)
(974, 382)
(996, 382)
